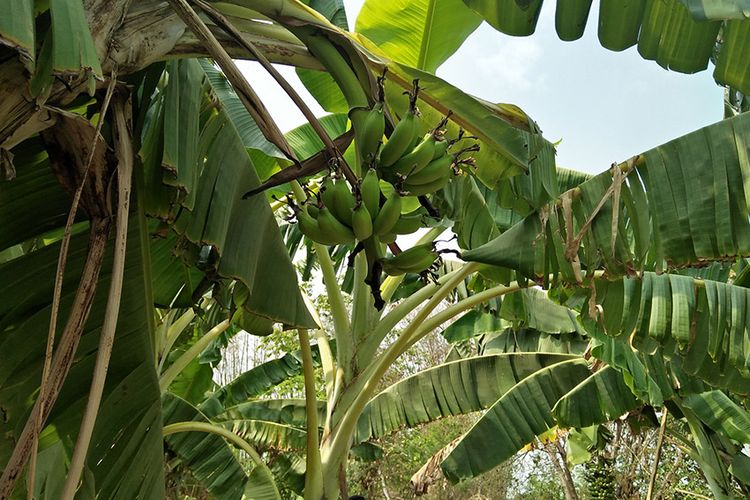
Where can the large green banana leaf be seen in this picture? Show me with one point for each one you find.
(454, 388)
(418, 33)
(125, 455)
(677, 34)
(682, 203)
(602, 397)
(513, 421)
(704, 322)
(721, 414)
(263, 377)
(244, 233)
(530, 340)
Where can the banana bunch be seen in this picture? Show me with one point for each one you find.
(419, 166)
(339, 215)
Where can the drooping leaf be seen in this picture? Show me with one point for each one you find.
(720, 413)
(453, 388)
(600, 398)
(245, 126)
(243, 233)
(263, 377)
(182, 104)
(677, 34)
(529, 340)
(68, 51)
(208, 456)
(471, 324)
(278, 410)
(531, 307)
(265, 434)
(521, 414)
(509, 16)
(653, 209)
(703, 322)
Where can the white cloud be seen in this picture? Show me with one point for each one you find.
(513, 64)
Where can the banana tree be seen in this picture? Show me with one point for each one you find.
(192, 140)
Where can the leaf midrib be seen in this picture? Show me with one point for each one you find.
(426, 34)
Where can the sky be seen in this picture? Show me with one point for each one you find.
(603, 106)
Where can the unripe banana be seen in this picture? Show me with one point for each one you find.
(326, 191)
(372, 133)
(436, 169)
(388, 238)
(401, 140)
(428, 188)
(332, 229)
(441, 148)
(413, 260)
(313, 210)
(389, 214)
(418, 158)
(409, 223)
(369, 190)
(310, 228)
(361, 222)
(341, 202)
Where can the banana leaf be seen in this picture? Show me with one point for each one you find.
(454, 388)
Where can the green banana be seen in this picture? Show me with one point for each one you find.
(401, 140)
(428, 188)
(413, 260)
(341, 201)
(441, 147)
(388, 238)
(369, 190)
(418, 158)
(332, 229)
(361, 222)
(310, 228)
(388, 215)
(409, 223)
(326, 191)
(436, 169)
(313, 210)
(372, 133)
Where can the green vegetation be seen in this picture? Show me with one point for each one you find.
(151, 210)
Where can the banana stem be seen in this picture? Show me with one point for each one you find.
(362, 304)
(339, 312)
(180, 363)
(348, 422)
(173, 333)
(313, 475)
